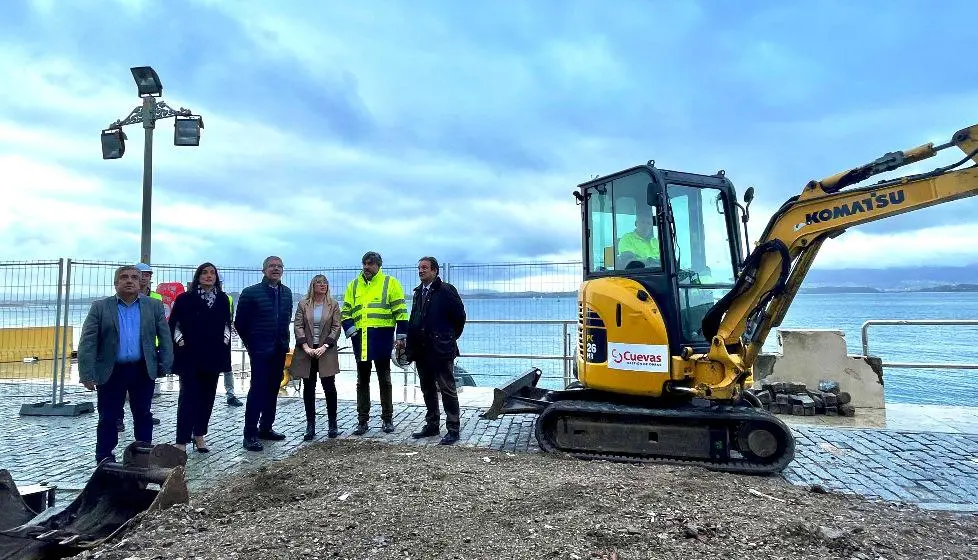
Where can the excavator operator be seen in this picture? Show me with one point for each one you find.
(640, 248)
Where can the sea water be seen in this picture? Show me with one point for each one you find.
(845, 312)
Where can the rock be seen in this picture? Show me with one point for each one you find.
(831, 411)
(830, 399)
(797, 388)
(844, 398)
(828, 386)
(764, 397)
(797, 410)
(847, 410)
(691, 531)
(782, 399)
(830, 533)
(818, 489)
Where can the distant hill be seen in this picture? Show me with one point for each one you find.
(840, 290)
(902, 278)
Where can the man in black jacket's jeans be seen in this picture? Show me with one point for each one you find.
(436, 323)
(262, 322)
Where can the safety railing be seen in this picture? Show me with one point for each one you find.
(924, 322)
(566, 357)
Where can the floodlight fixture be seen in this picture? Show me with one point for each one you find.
(186, 130)
(147, 81)
(113, 143)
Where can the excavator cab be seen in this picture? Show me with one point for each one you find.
(674, 233)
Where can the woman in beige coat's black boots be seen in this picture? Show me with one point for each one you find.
(317, 329)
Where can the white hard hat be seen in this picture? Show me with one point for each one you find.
(399, 357)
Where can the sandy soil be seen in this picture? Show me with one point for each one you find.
(363, 499)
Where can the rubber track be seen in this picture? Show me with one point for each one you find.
(729, 414)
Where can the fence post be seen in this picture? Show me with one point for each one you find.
(566, 357)
(57, 337)
(66, 345)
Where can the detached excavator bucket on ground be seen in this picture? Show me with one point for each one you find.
(150, 478)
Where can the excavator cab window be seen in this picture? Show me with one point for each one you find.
(704, 263)
(623, 226)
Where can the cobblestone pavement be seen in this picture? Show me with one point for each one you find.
(935, 470)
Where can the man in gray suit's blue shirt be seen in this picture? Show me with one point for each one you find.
(118, 355)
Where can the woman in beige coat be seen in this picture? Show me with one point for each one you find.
(317, 329)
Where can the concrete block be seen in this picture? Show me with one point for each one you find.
(812, 357)
(797, 410)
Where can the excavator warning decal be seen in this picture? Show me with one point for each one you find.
(641, 357)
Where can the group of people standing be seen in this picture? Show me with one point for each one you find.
(127, 343)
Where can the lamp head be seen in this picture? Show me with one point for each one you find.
(147, 81)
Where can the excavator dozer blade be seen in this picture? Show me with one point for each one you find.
(150, 478)
(520, 396)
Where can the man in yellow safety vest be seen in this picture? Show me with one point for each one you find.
(374, 314)
(639, 247)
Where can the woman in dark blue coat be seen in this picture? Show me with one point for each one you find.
(201, 326)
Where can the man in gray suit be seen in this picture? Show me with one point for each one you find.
(118, 355)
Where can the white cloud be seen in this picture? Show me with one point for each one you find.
(939, 245)
(471, 130)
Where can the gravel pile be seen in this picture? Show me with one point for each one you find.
(363, 499)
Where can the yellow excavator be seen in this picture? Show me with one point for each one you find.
(671, 316)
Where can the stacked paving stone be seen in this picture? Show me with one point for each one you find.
(797, 400)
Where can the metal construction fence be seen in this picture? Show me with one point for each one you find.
(521, 315)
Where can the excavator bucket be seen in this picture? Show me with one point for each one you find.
(150, 478)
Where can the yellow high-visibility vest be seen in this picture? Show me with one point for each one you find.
(377, 303)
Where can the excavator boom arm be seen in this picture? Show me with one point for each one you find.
(783, 255)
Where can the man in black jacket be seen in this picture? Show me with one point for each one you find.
(262, 322)
(436, 323)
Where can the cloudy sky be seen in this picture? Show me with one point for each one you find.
(459, 129)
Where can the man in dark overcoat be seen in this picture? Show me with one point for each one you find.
(436, 323)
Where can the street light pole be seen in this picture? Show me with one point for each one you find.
(186, 132)
(149, 123)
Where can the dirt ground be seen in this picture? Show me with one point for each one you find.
(362, 499)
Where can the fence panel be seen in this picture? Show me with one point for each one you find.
(31, 333)
(531, 291)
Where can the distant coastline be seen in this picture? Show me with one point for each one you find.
(483, 294)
